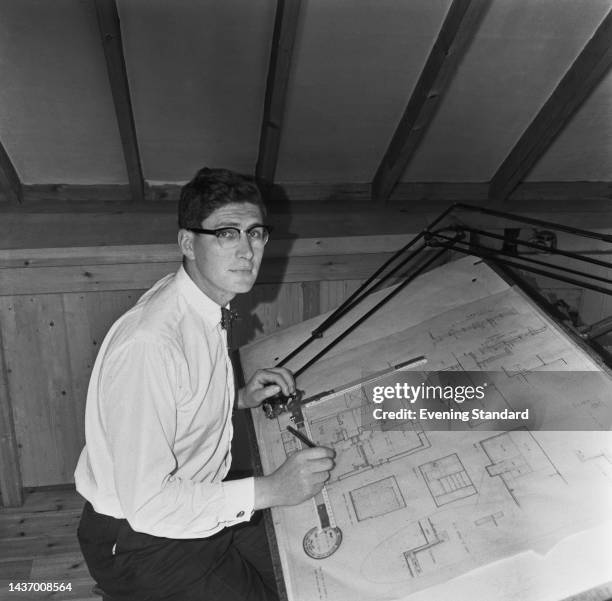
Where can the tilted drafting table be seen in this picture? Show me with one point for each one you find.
(474, 514)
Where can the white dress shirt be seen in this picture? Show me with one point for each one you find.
(158, 421)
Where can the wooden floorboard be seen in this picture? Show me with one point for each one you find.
(38, 544)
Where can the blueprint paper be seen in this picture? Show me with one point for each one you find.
(417, 508)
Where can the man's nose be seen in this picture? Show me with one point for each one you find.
(245, 248)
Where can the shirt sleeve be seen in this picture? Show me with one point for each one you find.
(140, 385)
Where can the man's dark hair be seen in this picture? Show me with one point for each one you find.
(213, 188)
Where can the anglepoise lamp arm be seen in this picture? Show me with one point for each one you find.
(376, 279)
(275, 405)
(432, 239)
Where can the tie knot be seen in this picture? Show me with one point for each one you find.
(227, 316)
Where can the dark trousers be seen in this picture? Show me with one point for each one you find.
(232, 565)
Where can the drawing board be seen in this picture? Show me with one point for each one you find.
(483, 511)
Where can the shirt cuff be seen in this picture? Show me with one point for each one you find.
(239, 498)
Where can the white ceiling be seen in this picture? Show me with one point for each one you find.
(197, 73)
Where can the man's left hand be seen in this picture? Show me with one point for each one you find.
(265, 383)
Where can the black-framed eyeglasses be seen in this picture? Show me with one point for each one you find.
(229, 237)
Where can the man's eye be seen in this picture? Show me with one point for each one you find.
(256, 233)
(228, 234)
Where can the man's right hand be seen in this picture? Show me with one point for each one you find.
(301, 477)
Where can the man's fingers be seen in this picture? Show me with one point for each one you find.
(302, 475)
(280, 376)
(320, 465)
(317, 460)
(319, 479)
(318, 453)
(269, 391)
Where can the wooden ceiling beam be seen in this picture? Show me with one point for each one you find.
(279, 70)
(577, 84)
(50, 225)
(110, 31)
(460, 25)
(80, 197)
(10, 184)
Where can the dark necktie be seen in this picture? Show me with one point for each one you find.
(227, 316)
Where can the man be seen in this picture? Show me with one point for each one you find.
(161, 522)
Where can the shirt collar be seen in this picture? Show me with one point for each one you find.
(207, 308)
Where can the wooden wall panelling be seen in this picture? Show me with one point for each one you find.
(88, 319)
(311, 299)
(332, 294)
(103, 308)
(82, 351)
(270, 307)
(55, 339)
(89, 255)
(82, 278)
(66, 415)
(103, 224)
(138, 276)
(88, 316)
(267, 308)
(36, 354)
(10, 469)
(170, 253)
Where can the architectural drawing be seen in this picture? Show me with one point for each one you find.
(346, 424)
(492, 518)
(600, 459)
(518, 460)
(413, 507)
(377, 498)
(447, 479)
(416, 556)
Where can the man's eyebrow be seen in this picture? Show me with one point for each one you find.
(235, 224)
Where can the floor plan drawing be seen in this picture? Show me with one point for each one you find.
(601, 459)
(346, 424)
(415, 511)
(377, 498)
(492, 518)
(517, 459)
(416, 556)
(447, 479)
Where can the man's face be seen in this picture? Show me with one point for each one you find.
(221, 273)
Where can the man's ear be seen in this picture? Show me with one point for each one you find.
(185, 242)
